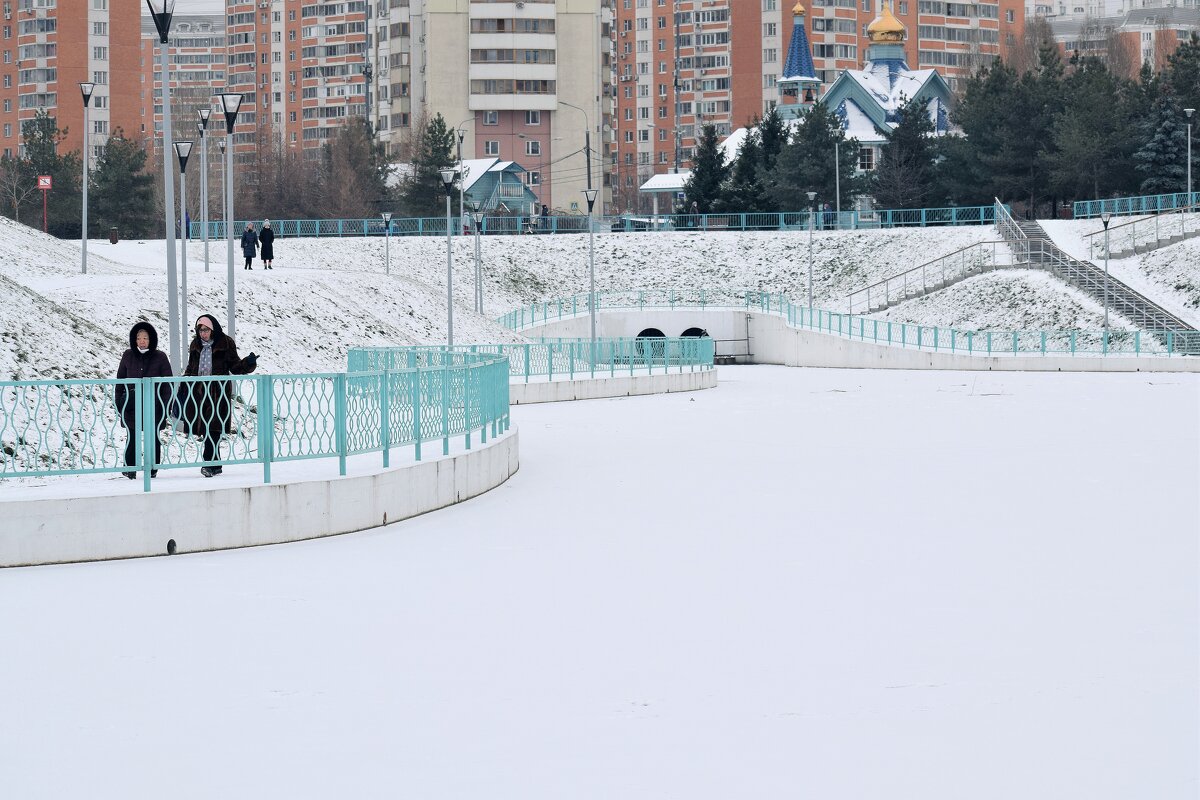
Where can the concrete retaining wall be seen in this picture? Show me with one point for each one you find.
(771, 341)
(618, 386)
(132, 525)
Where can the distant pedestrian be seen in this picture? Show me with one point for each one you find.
(266, 237)
(545, 217)
(143, 359)
(206, 406)
(829, 220)
(249, 245)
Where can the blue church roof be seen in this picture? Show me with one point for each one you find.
(799, 63)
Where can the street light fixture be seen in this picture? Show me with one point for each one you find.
(1105, 217)
(183, 150)
(230, 103)
(812, 210)
(387, 241)
(1189, 112)
(477, 222)
(590, 195)
(162, 11)
(86, 90)
(447, 174)
(202, 127)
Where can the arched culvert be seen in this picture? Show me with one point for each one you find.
(651, 343)
(693, 333)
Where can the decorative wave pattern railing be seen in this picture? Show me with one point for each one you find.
(562, 358)
(578, 223)
(896, 334)
(1143, 204)
(81, 426)
(1146, 233)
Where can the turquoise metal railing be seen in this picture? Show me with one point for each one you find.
(562, 358)
(578, 223)
(863, 328)
(1143, 234)
(1143, 204)
(80, 427)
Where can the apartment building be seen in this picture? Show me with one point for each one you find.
(1126, 41)
(198, 74)
(48, 48)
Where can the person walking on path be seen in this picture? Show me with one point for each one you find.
(266, 238)
(249, 245)
(143, 359)
(206, 405)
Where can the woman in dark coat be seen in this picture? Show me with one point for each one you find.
(142, 360)
(249, 245)
(265, 238)
(205, 406)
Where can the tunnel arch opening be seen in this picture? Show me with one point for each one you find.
(651, 343)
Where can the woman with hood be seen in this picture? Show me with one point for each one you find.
(205, 408)
(249, 245)
(265, 238)
(142, 360)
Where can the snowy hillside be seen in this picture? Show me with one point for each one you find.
(328, 294)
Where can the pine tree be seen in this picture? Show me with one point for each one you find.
(703, 188)
(772, 137)
(905, 176)
(422, 194)
(1183, 73)
(744, 191)
(354, 173)
(806, 164)
(1161, 159)
(1093, 134)
(122, 194)
(41, 137)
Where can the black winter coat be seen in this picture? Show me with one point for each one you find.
(265, 238)
(204, 406)
(151, 364)
(249, 243)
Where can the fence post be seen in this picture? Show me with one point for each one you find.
(339, 418)
(145, 428)
(466, 373)
(416, 402)
(385, 416)
(266, 423)
(445, 409)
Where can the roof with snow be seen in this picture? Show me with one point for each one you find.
(666, 182)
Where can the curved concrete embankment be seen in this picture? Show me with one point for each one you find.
(60, 530)
(611, 386)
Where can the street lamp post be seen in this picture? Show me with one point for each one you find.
(230, 103)
(476, 222)
(202, 127)
(448, 182)
(837, 179)
(1189, 112)
(86, 90)
(162, 11)
(1105, 217)
(590, 195)
(224, 177)
(463, 182)
(183, 149)
(387, 242)
(811, 212)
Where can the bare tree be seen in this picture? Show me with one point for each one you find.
(1121, 54)
(17, 185)
(1023, 56)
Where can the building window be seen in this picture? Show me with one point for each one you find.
(629, 113)
(535, 178)
(491, 118)
(100, 77)
(533, 117)
(100, 53)
(491, 147)
(100, 126)
(770, 29)
(1010, 16)
(100, 101)
(770, 55)
(903, 7)
(7, 129)
(533, 148)
(866, 5)
(98, 29)
(866, 159)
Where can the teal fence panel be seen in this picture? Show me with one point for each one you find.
(1141, 204)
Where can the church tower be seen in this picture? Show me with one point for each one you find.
(799, 86)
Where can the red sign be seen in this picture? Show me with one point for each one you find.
(44, 182)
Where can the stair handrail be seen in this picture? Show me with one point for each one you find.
(1096, 246)
(1005, 223)
(859, 301)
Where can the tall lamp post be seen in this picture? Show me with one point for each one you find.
(202, 127)
(1105, 217)
(183, 150)
(230, 103)
(462, 183)
(224, 177)
(587, 141)
(1189, 112)
(86, 90)
(476, 223)
(448, 181)
(589, 194)
(811, 212)
(387, 241)
(837, 180)
(162, 11)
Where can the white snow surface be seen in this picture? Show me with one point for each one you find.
(803, 583)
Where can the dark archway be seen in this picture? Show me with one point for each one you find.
(657, 349)
(693, 333)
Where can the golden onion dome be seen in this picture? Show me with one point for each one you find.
(797, 10)
(885, 27)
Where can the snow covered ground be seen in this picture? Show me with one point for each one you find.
(328, 294)
(804, 583)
